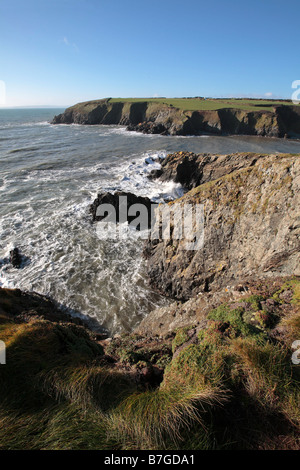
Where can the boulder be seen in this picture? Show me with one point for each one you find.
(15, 258)
(121, 201)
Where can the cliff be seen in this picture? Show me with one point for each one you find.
(251, 223)
(157, 117)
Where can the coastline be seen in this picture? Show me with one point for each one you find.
(157, 117)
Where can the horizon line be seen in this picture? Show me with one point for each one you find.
(44, 106)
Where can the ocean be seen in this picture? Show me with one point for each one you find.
(49, 176)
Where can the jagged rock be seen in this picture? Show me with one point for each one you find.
(148, 128)
(191, 170)
(15, 258)
(121, 201)
(163, 321)
(23, 306)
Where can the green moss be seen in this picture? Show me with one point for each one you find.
(254, 300)
(163, 360)
(127, 356)
(196, 366)
(181, 337)
(232, 387)
(130, 349)
(232, 321)
(259, 319)
(294, 287)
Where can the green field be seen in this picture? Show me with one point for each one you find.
(201, 104)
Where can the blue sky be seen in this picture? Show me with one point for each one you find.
(59, 52)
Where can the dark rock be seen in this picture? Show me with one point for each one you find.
(241, 288)
(269, 305)
(154, 174)
(150, 376)
(191, 170)
(121, 201)
(23, 306)
(15, 258)
(148, 127)
(286, 295)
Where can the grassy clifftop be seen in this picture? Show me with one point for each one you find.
(210, 104)
(226, 383)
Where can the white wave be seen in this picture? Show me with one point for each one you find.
(104, 280)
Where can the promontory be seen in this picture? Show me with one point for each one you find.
(190, 116)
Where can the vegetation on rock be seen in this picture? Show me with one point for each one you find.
(230, 384)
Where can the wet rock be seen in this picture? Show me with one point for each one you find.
(15, 258)
(121, 202)
(191, 170)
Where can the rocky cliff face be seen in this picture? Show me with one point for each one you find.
(159, 118)
(251, 224)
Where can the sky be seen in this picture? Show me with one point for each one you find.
(60, 52)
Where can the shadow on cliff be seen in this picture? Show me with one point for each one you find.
(20, 306)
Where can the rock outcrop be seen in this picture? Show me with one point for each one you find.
(191, 170)
(251, 226)
(15, 258)
(121, 202)
(164, 321)
(63, 387)
(159, 118)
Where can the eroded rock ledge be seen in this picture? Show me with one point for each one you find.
(191, 170)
